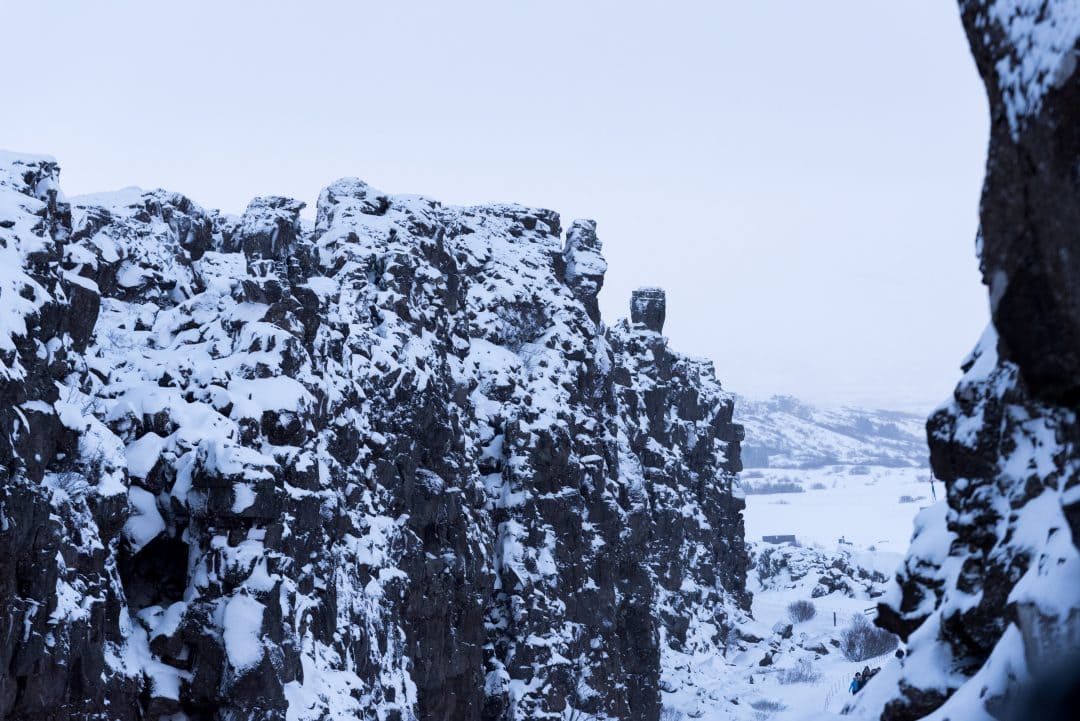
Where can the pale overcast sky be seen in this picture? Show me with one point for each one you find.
(802, 178)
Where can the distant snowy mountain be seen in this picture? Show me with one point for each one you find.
(784, 432)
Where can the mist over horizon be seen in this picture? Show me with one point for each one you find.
(811, 221)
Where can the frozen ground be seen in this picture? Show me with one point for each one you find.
(860, 503)
(864, 508)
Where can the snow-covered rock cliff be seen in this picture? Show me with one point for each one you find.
(988, 597)
(388, 465)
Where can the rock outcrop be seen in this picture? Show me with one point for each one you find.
(388, 465)
(989, 595)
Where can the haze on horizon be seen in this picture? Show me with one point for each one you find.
(802, 179)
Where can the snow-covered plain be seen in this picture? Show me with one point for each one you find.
(859, 503)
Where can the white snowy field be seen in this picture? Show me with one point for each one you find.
(862, 507)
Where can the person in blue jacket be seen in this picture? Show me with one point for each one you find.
(856, 683)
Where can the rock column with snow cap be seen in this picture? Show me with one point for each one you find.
(585, 264)
(648, 308)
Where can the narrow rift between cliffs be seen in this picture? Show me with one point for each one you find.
(388, 465)
(393, 465)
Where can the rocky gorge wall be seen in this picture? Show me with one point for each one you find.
(988, 598)
(387, 465)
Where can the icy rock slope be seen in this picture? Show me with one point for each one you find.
(388, 465)
(988, 597)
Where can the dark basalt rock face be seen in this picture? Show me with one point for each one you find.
(59, 586)
(684, 441)
(989, 595)
(387, 466)
(648, 308)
